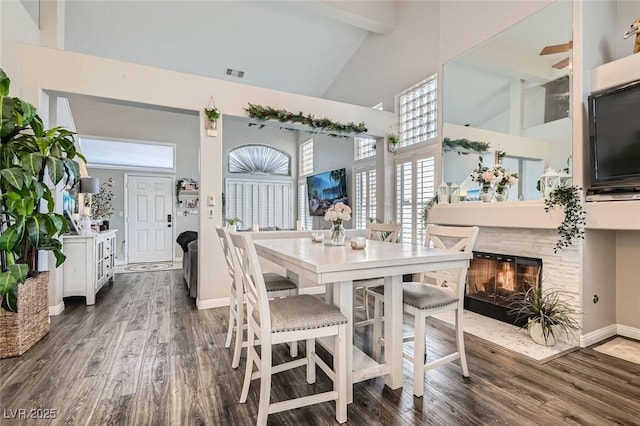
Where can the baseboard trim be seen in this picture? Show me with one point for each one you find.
(224, 301)
(598, 335)
(212, 303)
(630, 332)
(57, 309)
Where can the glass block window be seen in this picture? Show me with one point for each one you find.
(415, 186)
(365, 201)
(364, 147)
(306, 158)
(124, 154)
(418, 112)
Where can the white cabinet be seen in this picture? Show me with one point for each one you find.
(90, 263)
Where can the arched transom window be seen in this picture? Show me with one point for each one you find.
(259, 159)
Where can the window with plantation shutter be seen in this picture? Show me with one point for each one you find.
(418, 112)
(265, 204)
(303, 206)
(365, 196)
(415, 186)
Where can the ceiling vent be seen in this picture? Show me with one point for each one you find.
(235, 73)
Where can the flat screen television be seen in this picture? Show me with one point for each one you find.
(614, 134)
(326, 189)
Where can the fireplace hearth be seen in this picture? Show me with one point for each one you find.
(493, 279)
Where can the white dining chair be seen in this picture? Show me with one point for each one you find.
(277, 286)
(386, 232)
(302, 317)
(443, 291)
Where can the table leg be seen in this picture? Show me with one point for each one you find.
(393, 329)
(343, 298)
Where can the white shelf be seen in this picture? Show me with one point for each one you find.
(510, 214)
(620, 215)
(185, 193)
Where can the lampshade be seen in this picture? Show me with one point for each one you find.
(89, 185)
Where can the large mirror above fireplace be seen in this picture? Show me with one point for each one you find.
(506, 93)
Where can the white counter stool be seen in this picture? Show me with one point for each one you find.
(445, 291)
(294, 318)
(387, 232)
(277, 286)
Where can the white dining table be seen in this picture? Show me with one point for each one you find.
(337, 267)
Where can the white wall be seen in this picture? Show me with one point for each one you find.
(385, 65)
(16, 26)
(110, 119)
(627, 289)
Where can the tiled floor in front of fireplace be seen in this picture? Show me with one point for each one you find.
(507, 336)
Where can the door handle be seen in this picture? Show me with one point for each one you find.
(169, 218)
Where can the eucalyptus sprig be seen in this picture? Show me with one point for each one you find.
(574, 215)
(333, 128)
(424, 216)
(462, 145)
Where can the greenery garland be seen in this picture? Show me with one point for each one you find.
(457, 145)
(338, 130)
(574, 215)
(425, 211)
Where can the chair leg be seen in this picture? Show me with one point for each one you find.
(293, 349)
(419, 349)
(247, 375)
(265, 385)
(365, 297)
(311, 363)
(232, 324)
(340, 368)
(460, 342)
(237, 352)
(377, 327)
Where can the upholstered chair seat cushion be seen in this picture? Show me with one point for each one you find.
(303, 312)
(424, 296)
(277, 282)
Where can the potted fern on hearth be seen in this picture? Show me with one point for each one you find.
(29, 156)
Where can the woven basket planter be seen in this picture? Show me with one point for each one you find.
(19, 331)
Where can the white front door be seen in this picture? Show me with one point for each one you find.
(150, 218)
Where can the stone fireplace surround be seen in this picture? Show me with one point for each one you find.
(560, 271)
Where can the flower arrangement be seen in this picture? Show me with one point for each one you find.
(504, 177)
(212, 113)
(336, 214)
(483, 175)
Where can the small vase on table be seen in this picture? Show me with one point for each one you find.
(502, 193)
(486, 193)
(336, 234)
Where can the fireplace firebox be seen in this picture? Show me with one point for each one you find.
(494, 279)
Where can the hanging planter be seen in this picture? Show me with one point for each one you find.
(394, 140)
(213, 115)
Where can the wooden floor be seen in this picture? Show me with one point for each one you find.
(143, 355)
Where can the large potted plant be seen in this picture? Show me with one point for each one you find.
(31, 159)
(548, 312)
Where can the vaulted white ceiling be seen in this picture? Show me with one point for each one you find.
(287, 46)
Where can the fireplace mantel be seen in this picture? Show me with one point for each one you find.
(512, 214)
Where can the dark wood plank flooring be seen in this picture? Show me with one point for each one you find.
(144, 355)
